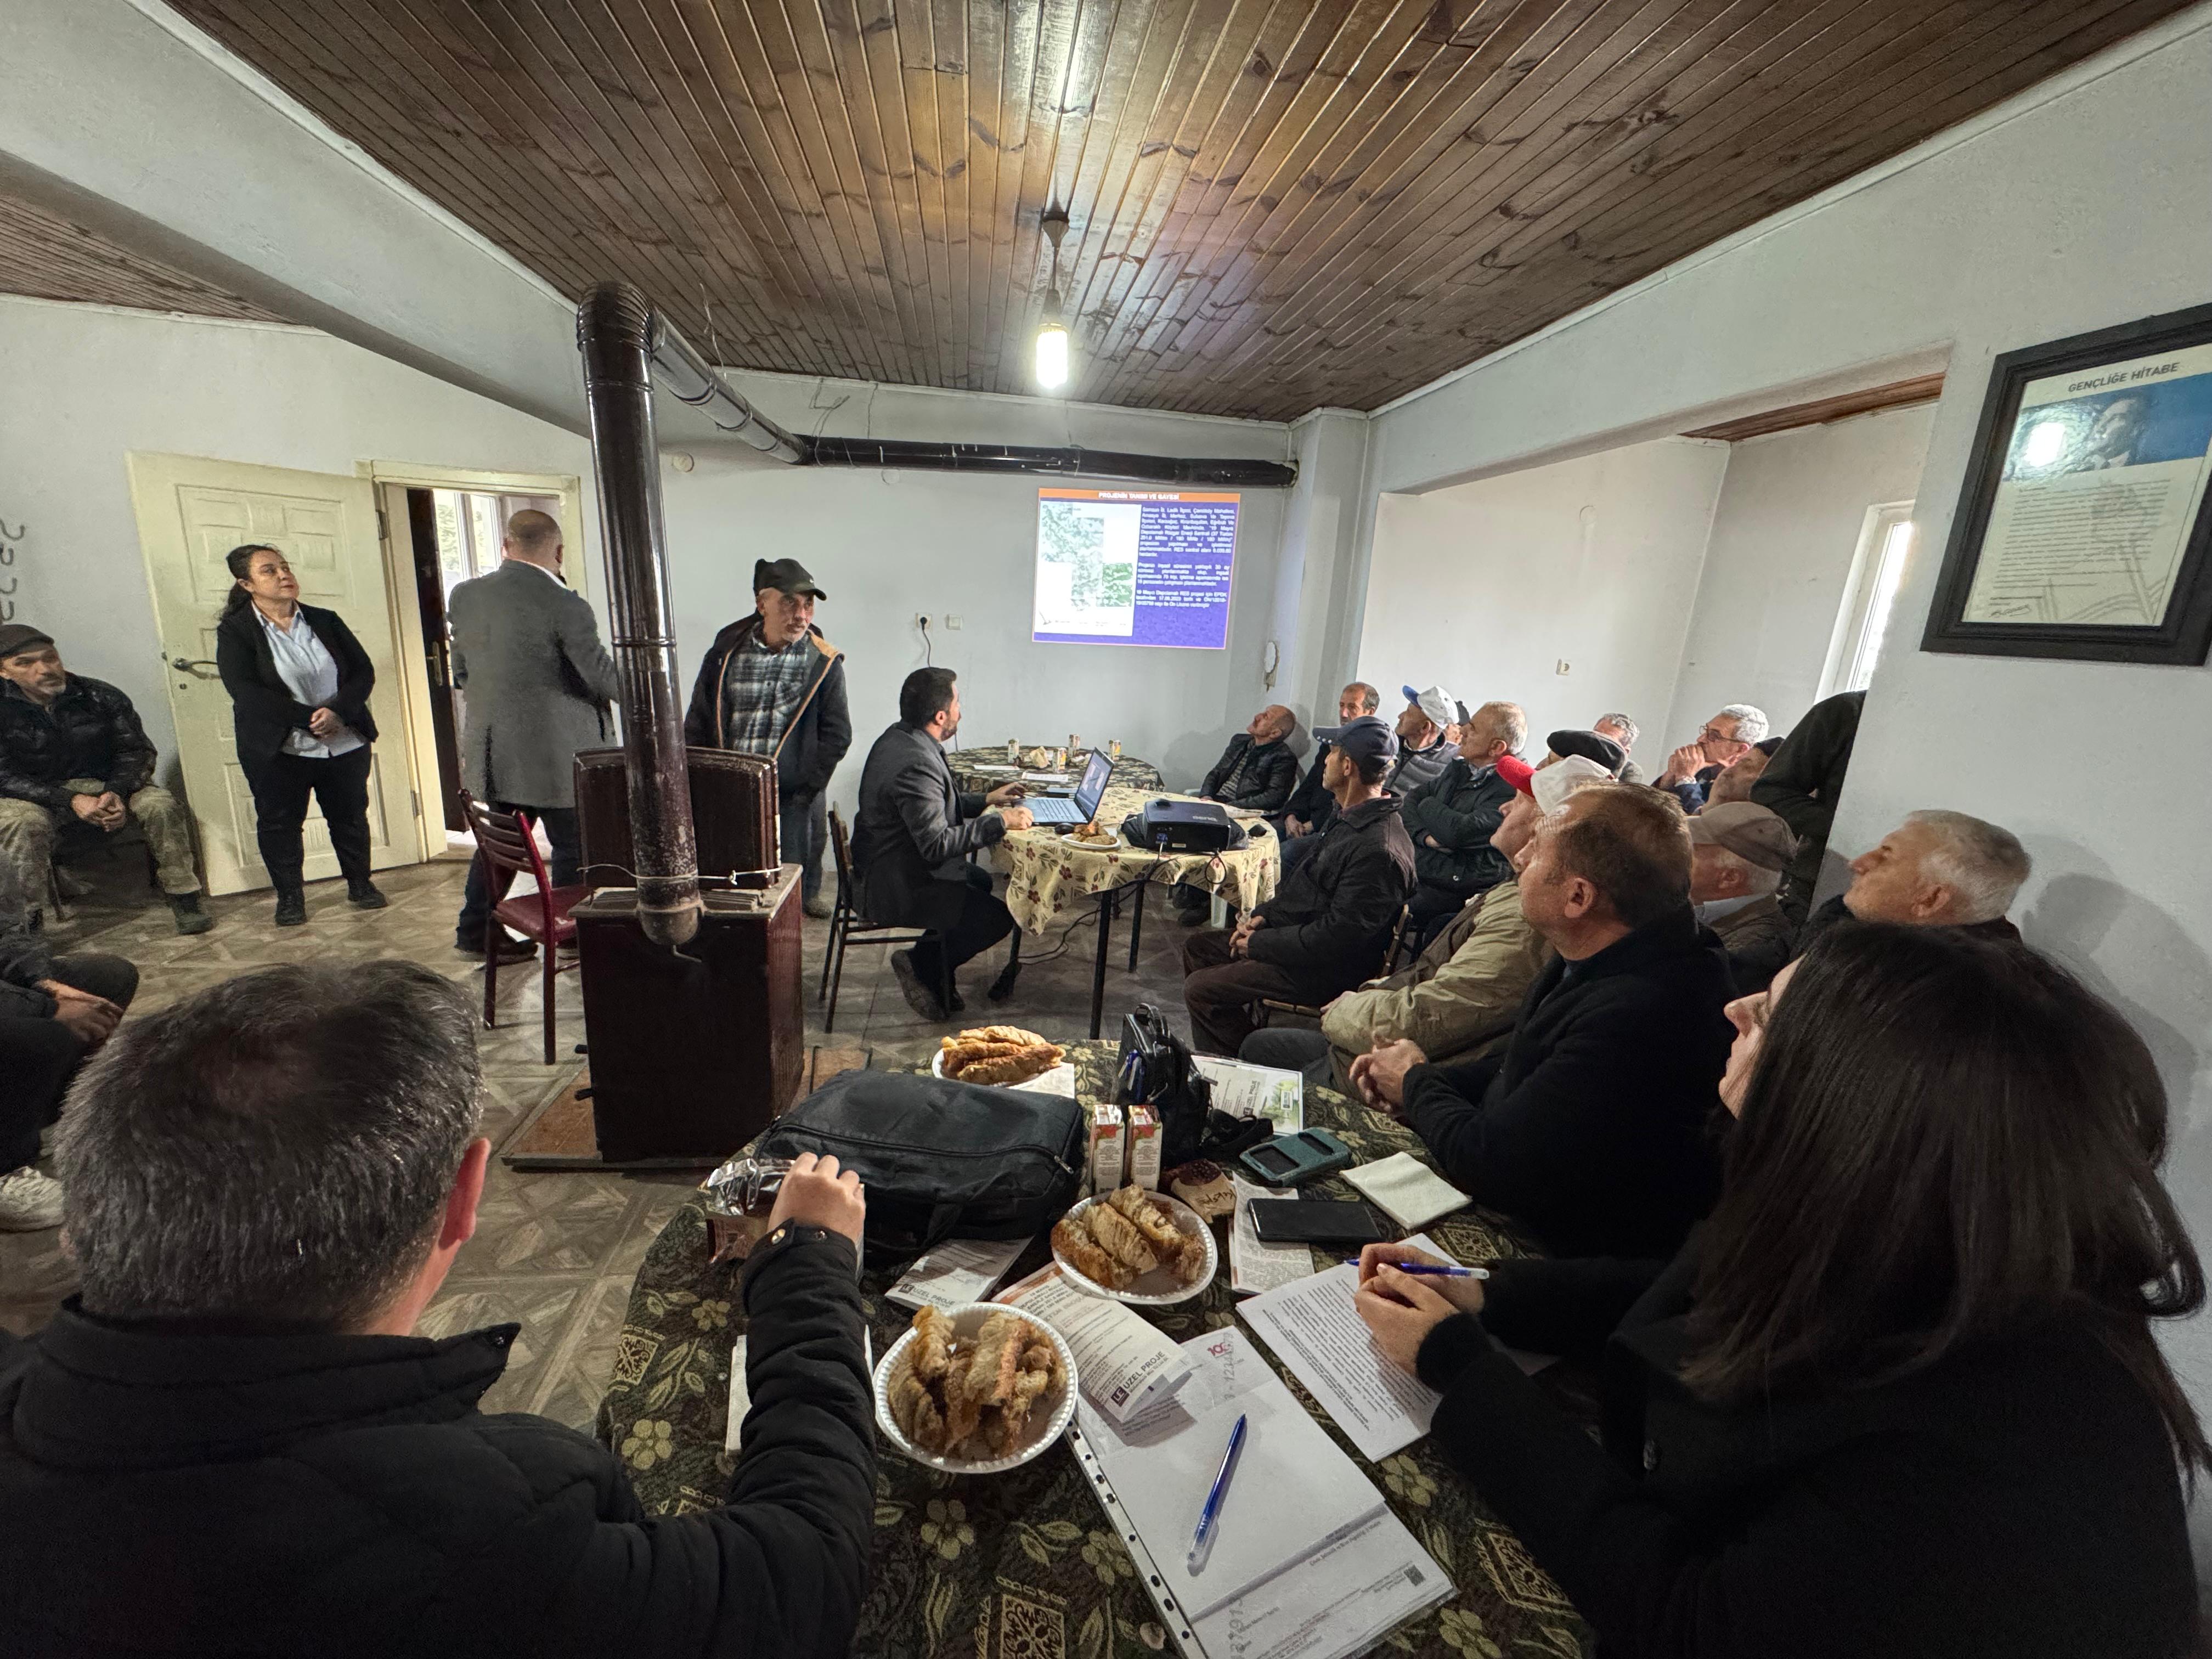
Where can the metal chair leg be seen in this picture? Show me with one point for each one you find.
(547, 952)
(1137, 926)
(836, 980)
(830, 945)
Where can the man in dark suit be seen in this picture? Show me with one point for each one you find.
(911, 840)
(538, 684)
(232, 1441)
(1590, 1127)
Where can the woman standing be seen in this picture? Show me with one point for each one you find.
(1898, 1396)
(299, 685)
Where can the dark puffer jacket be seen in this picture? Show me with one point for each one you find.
(90, 731)
(198, 1493)
(1333, 914)
(1459, 811)
(1252, 777)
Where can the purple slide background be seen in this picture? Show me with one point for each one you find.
(1186, 562)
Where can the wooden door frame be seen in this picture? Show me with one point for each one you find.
(393, 480)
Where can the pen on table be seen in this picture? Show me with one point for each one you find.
(1204, 1536)
(1436, 1270)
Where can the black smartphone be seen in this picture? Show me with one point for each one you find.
(1314, 1221)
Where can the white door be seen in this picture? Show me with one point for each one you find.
(190, 513)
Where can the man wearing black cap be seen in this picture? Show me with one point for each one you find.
(1328, 926)
(772, 685)
(1590, 745)
(75, 761)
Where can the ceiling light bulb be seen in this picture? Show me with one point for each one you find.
(1052, 354)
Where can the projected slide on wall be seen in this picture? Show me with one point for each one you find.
(1134, 566)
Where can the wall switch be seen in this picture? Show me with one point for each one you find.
(1564, 667)
(951, 624)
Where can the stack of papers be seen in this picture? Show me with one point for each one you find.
(1306, 1562)
(1244, 1091)
(959, 1271)
(1256, 1264)
(1407, 1190)
(1314, 1329)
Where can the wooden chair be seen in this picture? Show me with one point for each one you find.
(76, 838)
(1269, 1007)
(508, 847)
(848, 926)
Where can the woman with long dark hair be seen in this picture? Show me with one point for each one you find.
(1898, 1396)
(299, 686)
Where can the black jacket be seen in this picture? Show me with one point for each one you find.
(1460, 810)
(2017, 1500)
(1592, 1127)
(1415, 766)
(1803, 781)
(1310, 801)
(89, 730)
(1270, 773)
(819, 735)
(200, 1494)
(913, 820)
(1333, 917)
(264, 712)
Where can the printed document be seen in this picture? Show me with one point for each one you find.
(1313, 1329)
(1254, 1263)
(959, 1271)
(1244, 1091)
(1343, 1599)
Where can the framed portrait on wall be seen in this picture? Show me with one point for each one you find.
(2084, 528)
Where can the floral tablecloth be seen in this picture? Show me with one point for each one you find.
(967, 764)
(1050, 879)
(1023, 1566)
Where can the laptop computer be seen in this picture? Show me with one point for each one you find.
(1069, 810)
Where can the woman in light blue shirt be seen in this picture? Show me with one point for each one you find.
(300, 685)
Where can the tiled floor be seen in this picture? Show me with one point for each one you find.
(553, 1252)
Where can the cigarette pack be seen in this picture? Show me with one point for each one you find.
(1145, 1147)
(1107, 1151)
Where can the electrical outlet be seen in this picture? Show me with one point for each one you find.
(922, 622)
(952, 623)
(1564, 667)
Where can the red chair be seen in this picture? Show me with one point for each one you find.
(505, 843)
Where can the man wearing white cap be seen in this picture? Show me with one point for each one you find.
(1737, 855)
(1424, 751)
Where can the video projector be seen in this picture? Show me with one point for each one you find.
(1186, 826)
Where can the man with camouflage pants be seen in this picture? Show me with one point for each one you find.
(72, 753)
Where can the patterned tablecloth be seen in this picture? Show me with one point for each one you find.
(1128, 773)
(1023, 1566)
(1050, 879)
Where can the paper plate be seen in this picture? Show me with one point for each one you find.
(1060, 1081)
(1159, 1287)
(1048, 1419)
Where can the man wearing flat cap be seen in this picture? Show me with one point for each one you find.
(1738, 852)
(1329, 925)
(771, 684)
(76, 763)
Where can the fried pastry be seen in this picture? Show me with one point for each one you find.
(976, 1403)
(1118, 1236)
(1072, 1240)
(1016, 1067)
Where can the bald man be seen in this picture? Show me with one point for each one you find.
(537, 686)
(1255, 774)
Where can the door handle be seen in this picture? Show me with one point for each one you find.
(184, 665)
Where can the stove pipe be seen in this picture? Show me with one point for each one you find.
(616, 331)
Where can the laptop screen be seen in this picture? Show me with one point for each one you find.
(1092, 789)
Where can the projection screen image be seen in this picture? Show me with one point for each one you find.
(1134, 566)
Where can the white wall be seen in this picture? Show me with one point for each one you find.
(86, 386)
(2076, 206)
(1791, 509)
(1486, 587)
(887, 545)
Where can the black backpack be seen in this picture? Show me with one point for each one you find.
(939, 1160)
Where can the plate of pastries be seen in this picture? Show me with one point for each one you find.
(1001, 1056)
(976, 1389)
(1136, 1246)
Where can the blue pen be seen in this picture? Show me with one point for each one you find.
(1211, 1512)
(1433, 1270)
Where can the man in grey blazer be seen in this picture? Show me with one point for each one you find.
(526, 652)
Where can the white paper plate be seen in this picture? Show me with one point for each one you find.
(1159, 1287)
(1048, 1418)
(1060, 1081)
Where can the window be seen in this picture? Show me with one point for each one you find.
(1870, 598)
(470, 524)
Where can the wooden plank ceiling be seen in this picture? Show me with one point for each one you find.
(1275, 204)
(48, 256)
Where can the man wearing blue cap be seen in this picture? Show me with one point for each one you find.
(1328, 926)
